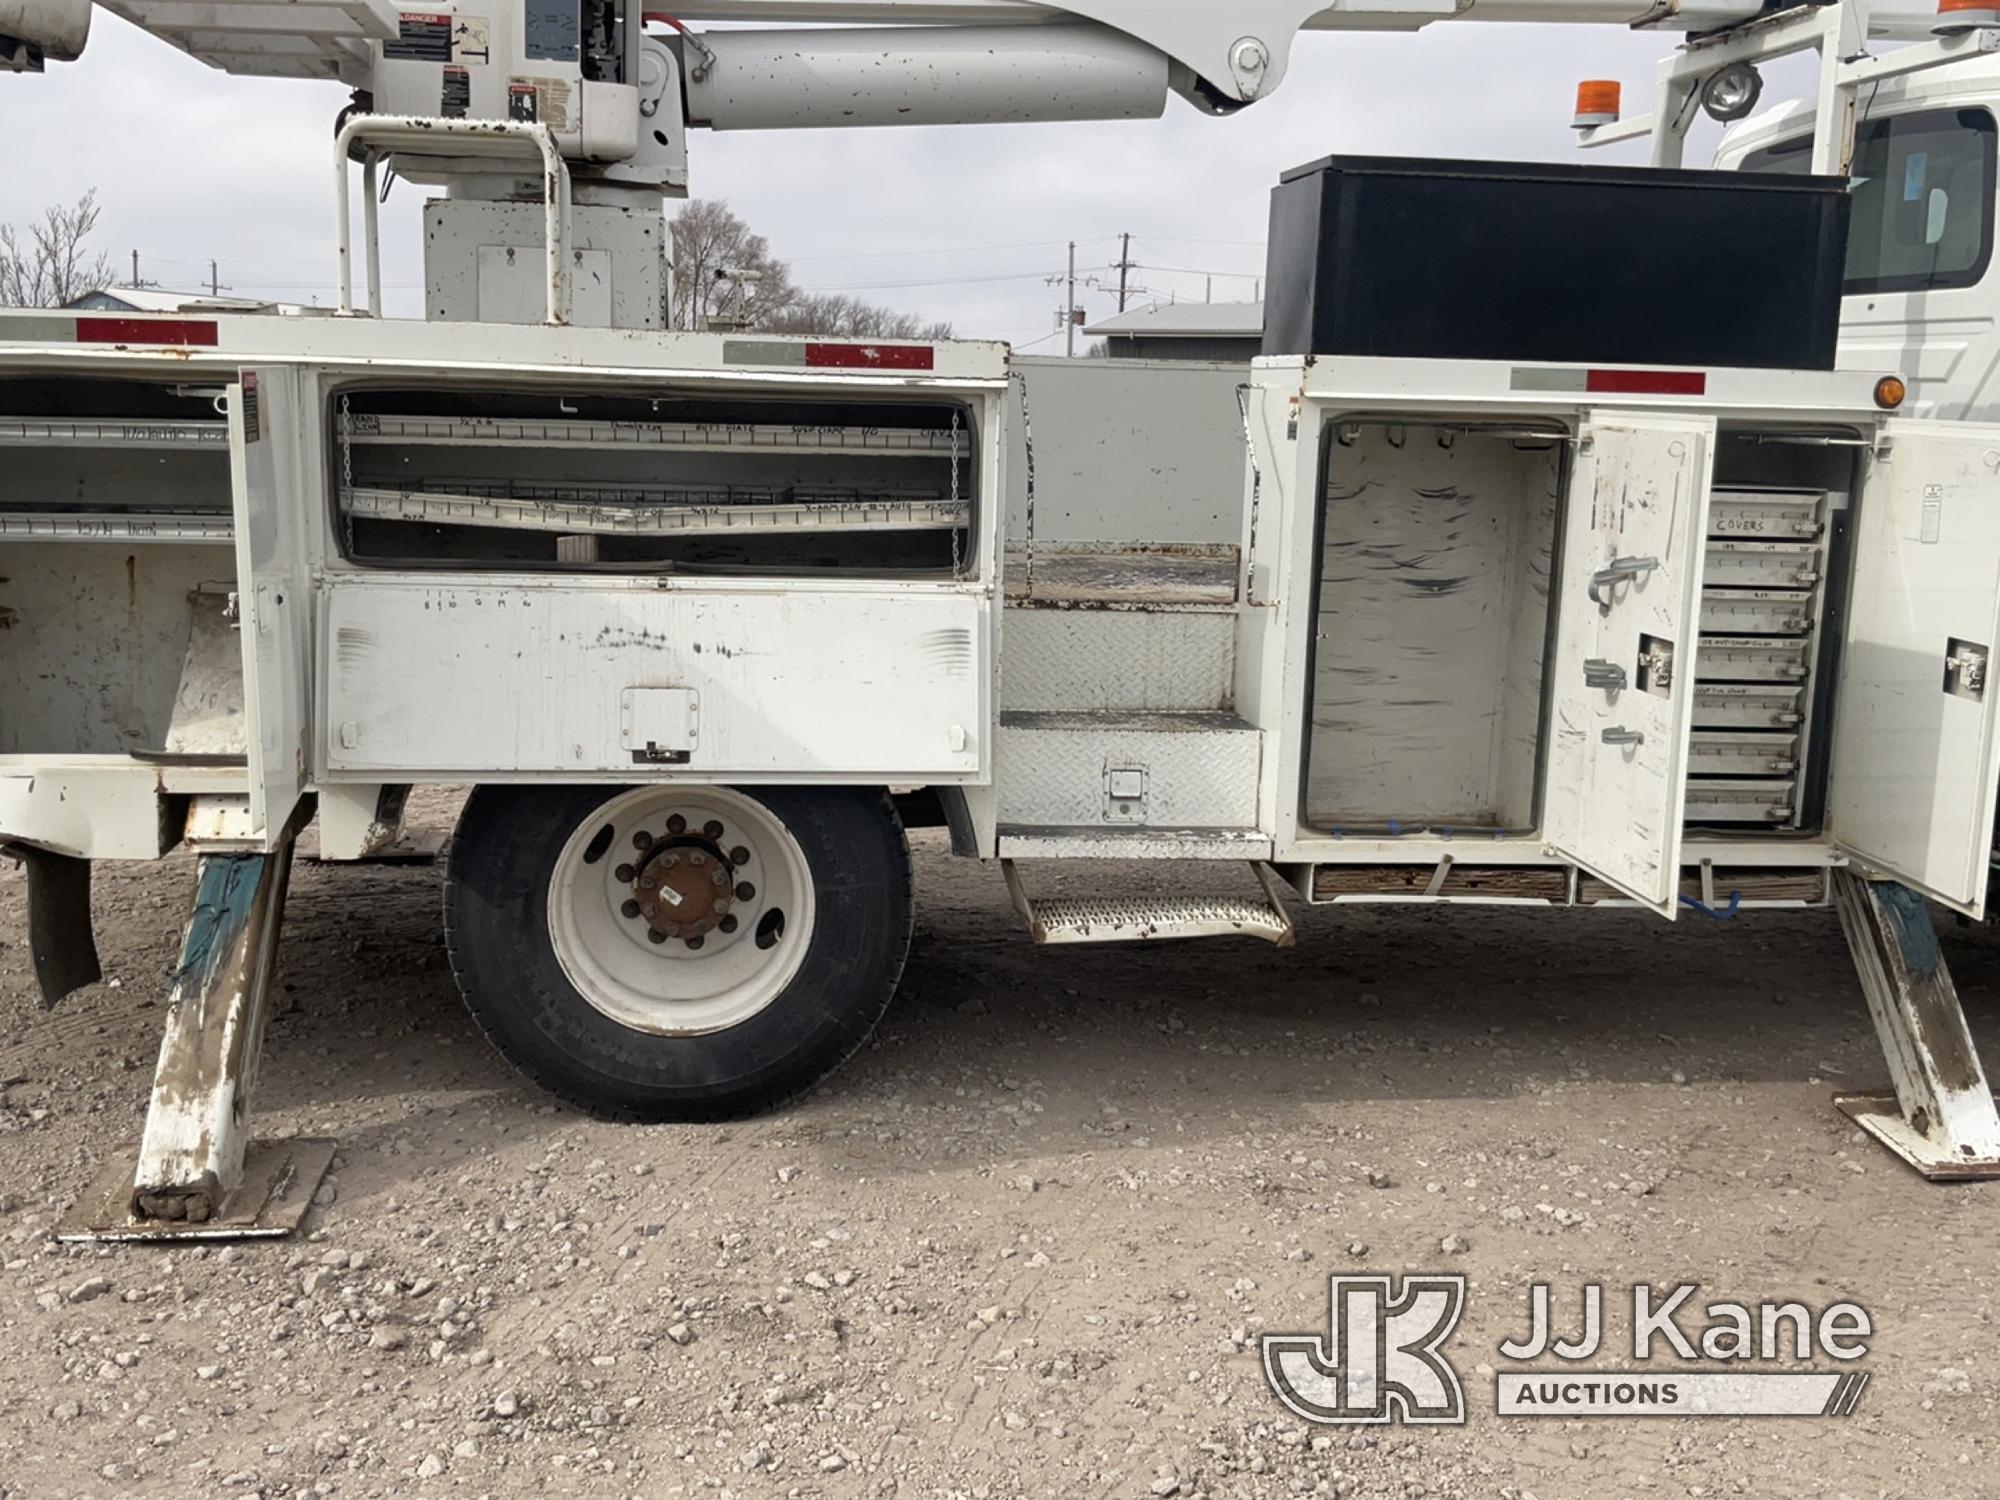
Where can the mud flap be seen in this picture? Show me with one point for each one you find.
(59, 932)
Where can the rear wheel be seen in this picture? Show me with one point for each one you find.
(678, 953)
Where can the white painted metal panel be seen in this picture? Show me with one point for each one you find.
(1126, 451)
(1916, 759)
(479, 679)
(273, 495)
(1618, 758)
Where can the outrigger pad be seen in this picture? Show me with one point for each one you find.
(1881, 1115)
(279, 1179)
(59, 931)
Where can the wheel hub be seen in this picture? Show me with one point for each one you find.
(683, 885)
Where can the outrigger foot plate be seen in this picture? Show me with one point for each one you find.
(279, 1179)
(1881, 1115)
(1942, 1118)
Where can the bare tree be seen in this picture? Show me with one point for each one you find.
(724, 272)
(721, 269)
(48, 264)
(850, 318)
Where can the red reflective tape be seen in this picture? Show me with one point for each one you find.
(1648, 382)
(870, 357)
(181, 332)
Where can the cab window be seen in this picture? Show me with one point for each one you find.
(1924, 189)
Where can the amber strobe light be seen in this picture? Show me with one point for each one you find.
(1955, 16)
(1598, 101)
(1890, 392)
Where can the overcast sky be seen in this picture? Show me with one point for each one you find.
(960, 224)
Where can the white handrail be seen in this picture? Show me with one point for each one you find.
(414, 135)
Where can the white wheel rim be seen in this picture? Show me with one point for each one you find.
(679, 987)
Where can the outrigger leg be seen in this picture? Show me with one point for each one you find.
(196, 1173)
(1941, 1119)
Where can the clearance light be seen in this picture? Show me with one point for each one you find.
(1891, 392)
(1598, 102)
(1955, 16)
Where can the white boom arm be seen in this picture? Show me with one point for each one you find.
(1224, 53)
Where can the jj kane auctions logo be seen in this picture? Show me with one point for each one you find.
(1382, 1357)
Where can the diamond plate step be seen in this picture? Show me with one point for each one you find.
(1154, 919)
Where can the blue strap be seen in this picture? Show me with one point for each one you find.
(1728, 913)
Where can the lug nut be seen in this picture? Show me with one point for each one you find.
(656, 937)
(746, 891)
(677, 825)
(625, 874)
(669, 860)
(718, 877)
(642, 840)
(696, 942)
(729, 924)
(739, 855)
(711, 830)
(697, 859)
(629, 909)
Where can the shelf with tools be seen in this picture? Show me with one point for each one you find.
(591, 478)
(1763, 609)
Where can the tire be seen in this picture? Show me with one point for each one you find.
(644, 1016)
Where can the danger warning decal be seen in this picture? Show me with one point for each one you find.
(422, 37)
(433, 36)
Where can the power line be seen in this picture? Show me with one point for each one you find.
(957, 250)
(886, 286)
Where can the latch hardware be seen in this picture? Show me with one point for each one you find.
(1623, 736)
(1965, 667)
(1656, 666)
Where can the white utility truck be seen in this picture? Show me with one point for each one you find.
(705, 621)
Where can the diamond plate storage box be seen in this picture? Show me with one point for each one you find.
(1531, 263)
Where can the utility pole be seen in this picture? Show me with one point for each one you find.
(135, 268)
(214, 281)
(1124, 270)
(1069, 313)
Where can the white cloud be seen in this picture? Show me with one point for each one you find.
(192, 164)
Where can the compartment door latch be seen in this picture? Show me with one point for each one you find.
(1965, 665)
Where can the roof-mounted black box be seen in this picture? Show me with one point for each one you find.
(1421, 259)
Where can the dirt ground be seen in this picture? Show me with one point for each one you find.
(1023, 1245)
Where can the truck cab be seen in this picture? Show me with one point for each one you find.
(1921, 296)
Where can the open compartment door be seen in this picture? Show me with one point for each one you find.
(1628, 604)
(1915, 757)
(268, 479)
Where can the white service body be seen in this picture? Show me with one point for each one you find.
(1140, 671)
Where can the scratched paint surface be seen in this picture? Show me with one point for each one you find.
(1433, 620)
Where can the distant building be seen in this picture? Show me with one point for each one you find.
(154, 299)
(1230, 332)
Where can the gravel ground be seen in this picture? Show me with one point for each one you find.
(1023, 1245)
